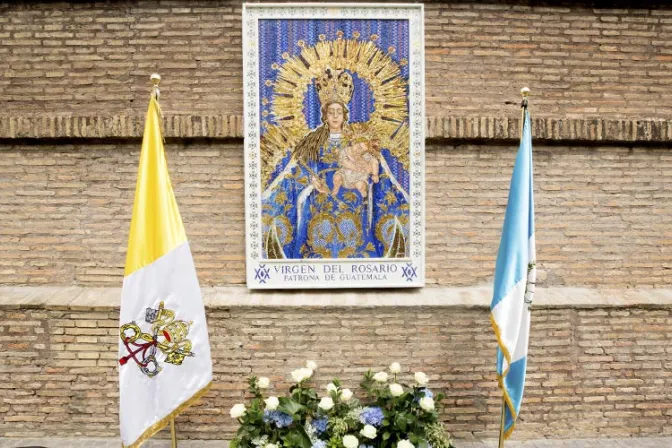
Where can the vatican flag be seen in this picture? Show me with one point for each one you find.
(164, 352)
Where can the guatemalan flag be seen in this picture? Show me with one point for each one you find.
(515, 274)
(164, 351)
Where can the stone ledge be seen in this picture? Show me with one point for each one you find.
(444, 128)
(73, 297)
(119, 126)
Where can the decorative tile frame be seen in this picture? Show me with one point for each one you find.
(334, 273)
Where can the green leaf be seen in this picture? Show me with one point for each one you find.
(296, 438)
(386, 422)
(305, 440)
(289, 406)
(386, 435)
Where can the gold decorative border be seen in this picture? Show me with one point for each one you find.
(158, 426)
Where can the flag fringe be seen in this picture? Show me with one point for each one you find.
(500, 343)
(158, 426)
(509, 404)
(500, 378)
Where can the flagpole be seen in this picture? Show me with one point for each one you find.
(173, 434)
(501, 424)
(525, 92)
(156, 79)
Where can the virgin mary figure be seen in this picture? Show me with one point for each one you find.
(305, 216)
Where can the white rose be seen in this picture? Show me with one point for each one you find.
(380, 377)
(346, 394)
(369, 432)
(302, 374)
(350, 441)
(238, 410)
(311, 365)
(326, 403)
(395, 367)
(405, 444)
(396, 390)
(297, 375)
(421, 378)
(427, 404)
(331, 387)
(270, 445)
(272, 403)
(263, 383)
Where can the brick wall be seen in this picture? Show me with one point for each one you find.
(71, 72)
(579, 61)
(58, 368)
(603, 214)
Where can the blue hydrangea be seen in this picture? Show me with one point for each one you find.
(425, 393)
(372, 416)
(320, 425)
(281, 419)
(319, 444)
(428, 393)
(366, 446)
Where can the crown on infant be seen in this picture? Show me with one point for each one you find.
(363, 133)
(334, 86)
(360, 132)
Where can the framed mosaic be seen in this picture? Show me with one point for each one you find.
(334, 145)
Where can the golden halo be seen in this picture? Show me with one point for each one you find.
(370, 63)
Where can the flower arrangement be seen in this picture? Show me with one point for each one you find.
(393, 414)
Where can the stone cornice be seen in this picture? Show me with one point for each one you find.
(438, 128)
(75, 297)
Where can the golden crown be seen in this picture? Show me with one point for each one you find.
(358, 132)
(334, 86)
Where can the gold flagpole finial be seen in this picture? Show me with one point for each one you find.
(156, 79)
(525, 92)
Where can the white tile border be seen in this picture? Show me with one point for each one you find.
(259, 272)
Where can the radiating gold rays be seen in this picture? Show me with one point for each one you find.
(390, 94)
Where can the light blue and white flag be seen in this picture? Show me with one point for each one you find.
(515, 274)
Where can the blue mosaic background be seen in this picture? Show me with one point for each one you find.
(279, 36)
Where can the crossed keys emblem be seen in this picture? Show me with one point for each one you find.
(167, 335)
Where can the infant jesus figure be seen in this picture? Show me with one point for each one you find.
(357, 161)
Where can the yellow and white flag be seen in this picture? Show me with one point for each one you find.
(164, 352)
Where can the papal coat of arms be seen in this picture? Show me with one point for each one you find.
(166, 336)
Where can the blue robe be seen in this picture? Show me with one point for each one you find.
(300, 222)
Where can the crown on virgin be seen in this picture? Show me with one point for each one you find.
(334, 86)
